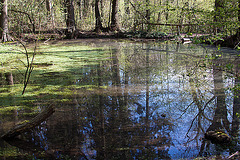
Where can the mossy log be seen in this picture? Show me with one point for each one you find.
(28, 125)
(218, 137)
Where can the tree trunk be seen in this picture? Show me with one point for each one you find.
(70, 19)
(236, 103)
(148, 14)
(238, 10)
(4, 22)
(114, 19)
(98, 26)
(24, 127)
(232, 41)
(218, 17)
(220, 119)
(9, 78)
(238, 30)
(49, 7)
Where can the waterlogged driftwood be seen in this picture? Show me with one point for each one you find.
(28, 125)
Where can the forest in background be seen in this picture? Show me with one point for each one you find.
(158, 17)
(34, 19)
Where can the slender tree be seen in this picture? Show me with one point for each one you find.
(4, 22)
(49, 6)
(148, 14)
(114, 18)
(238, 30)
(98, 24)
(236, 104)
(218, 17)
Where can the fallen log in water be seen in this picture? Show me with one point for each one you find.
(26, 126)
(218, 136)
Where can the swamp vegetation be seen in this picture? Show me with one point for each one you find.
(118, 99)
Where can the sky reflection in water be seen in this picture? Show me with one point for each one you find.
(142, 101)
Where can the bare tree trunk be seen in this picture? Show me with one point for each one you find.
(238, 30)
(114, 19)
(4, 22)
(79, 3)
(49, 7)
(98, 26)
(9, 78)
(70, 19)
(218, 15)
(148, 14)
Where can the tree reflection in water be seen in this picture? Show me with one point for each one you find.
(146, 101)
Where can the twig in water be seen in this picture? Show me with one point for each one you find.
(235, 154)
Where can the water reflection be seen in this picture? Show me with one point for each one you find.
(145, 101)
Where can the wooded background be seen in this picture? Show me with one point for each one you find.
(167, 16)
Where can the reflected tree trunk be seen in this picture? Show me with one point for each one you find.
(116, 103)
(220, 120)
(236, 105)
(198, 102)
(116, 84)
(147, 96)
(147, 87)
(101, 153)
(220, 115)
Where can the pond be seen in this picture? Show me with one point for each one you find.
(115, 99)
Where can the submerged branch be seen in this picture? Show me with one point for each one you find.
(29, 17)
(22, 128)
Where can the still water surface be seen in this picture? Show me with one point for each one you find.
(124, 100)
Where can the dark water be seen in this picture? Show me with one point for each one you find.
(138, 101)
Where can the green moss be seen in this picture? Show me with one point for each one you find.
(10, 152)
(8, 109)
(23, 122)
(56, 67)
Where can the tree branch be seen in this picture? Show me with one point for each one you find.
(21, 128)
(29, 17)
